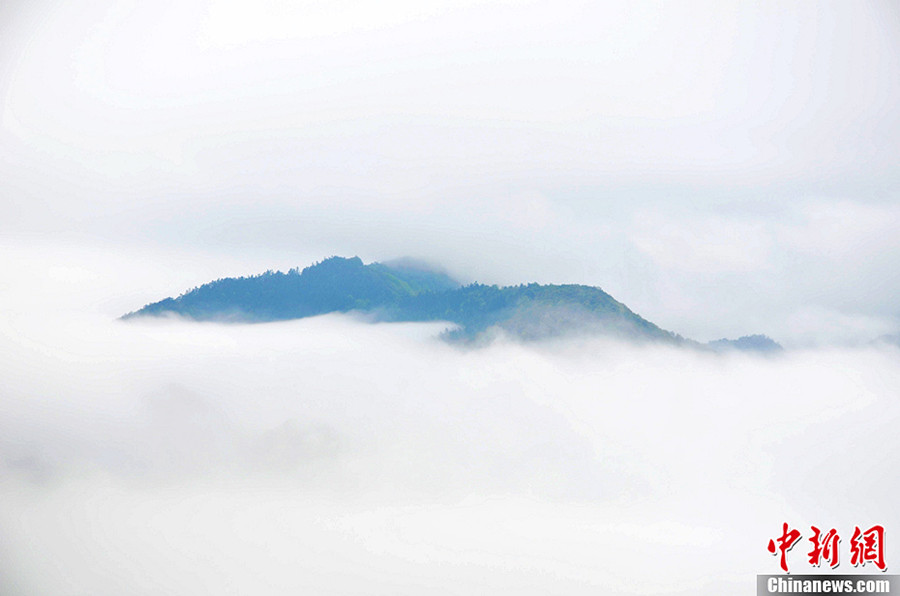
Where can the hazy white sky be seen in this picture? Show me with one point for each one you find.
(721, 167)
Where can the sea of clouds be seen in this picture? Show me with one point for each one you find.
(723, 168)
(334, 456)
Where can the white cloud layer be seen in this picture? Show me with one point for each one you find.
(723, 168)
(331, 456)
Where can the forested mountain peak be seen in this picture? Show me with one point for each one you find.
(409, 290)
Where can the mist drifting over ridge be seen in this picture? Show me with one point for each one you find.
(735, 160)
(407, 291)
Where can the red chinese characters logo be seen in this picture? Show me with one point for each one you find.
(865, 547)
(785, 543)
(824, 547)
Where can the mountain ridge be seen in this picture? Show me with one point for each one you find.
(408, 290)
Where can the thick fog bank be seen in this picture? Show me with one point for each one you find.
(333, 456)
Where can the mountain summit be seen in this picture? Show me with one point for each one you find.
(333, 285)
(408, 290)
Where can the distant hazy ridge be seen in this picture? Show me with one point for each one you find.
(405, 290)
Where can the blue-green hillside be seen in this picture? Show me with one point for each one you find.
(334, 285)
(409, 291)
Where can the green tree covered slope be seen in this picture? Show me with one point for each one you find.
(407, 291)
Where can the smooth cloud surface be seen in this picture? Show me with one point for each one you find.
(332, 456)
